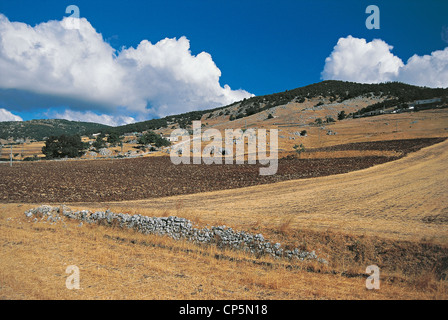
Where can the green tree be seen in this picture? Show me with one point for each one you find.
(114, 138)
(341, 115)
(63, 146)
(152, 138)
(99, 142)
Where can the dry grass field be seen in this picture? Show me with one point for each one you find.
(297, 117)
(393, 215)
(117, 264)
(292, 119)
(22, 151)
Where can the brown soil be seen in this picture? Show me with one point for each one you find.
(143, 178)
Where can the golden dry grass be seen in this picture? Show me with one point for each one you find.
(394, 215)
(296, 117)
(423, 124)
(341, 217)
(21, 151)
(122, 264)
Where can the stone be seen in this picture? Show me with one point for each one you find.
(176, 228)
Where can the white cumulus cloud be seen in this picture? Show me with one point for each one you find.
(6, 115)
(168, 75)
(54, 62)
(428, 70)
(357, 60)
(361, 61)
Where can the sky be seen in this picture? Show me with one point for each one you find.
(118, 62)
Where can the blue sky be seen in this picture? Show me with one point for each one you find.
(255, 47)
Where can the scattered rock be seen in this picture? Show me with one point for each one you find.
(105, 152)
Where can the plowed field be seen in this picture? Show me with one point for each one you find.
(143, 178)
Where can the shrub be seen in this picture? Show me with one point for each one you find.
(299, 148)
(33, 158)
(341, 115)
(329, 119)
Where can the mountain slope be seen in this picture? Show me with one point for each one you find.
(39, 129)
(325, 92)
(332, 91)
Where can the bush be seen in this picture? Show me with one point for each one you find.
(114, 139)
(33, 158)
(299, 149)
(329, 120)
(342, 115)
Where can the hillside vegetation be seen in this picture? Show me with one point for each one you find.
(39, 129)
(393, 93)
(336, 92)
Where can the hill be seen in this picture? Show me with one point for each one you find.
(326, 93)
(39, 129)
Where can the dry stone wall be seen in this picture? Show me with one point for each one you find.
(174, 227)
